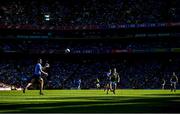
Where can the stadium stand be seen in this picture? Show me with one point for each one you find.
(95, 12)
(142, 72)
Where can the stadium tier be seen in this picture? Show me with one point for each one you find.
(54, 12)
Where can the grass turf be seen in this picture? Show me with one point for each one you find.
(90, 101)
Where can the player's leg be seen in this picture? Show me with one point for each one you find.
(171, 86)
(113, 87)
(107, 88)
(174, 86)
(110, 86)
(41, 81)
(162, 86)
(28, 85)
(79, 86)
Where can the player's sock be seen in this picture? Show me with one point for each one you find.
(114, 91)
(107, 91)
(24, 90)
(41, 93)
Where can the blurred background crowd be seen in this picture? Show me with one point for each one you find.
(91, 12)
(65, 74)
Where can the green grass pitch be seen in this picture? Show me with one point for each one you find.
(90, 101)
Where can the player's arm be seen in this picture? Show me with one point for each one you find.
(110, 77)
(44, 72)
(118, 78)
(171, 79)
(41, 69)
(176, 78)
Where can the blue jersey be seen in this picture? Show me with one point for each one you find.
(108, 78)
(79, 81)
(38, 69)
(108, 74)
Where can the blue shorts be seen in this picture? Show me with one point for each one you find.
(36, 77)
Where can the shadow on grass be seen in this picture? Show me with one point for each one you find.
(169, 95)
(101, 104)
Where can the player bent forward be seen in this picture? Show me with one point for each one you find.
(38, 71)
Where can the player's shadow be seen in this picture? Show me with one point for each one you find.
(98, 104)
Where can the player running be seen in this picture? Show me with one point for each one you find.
(114, 80)
(37, 76)
(108, 81)
(173, 80)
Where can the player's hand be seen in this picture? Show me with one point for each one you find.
(47, 65)
(46, 74)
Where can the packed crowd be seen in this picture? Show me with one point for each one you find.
(76, 47)
(63, 74)
(91, 12)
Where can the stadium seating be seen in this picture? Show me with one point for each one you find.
(92, 12)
